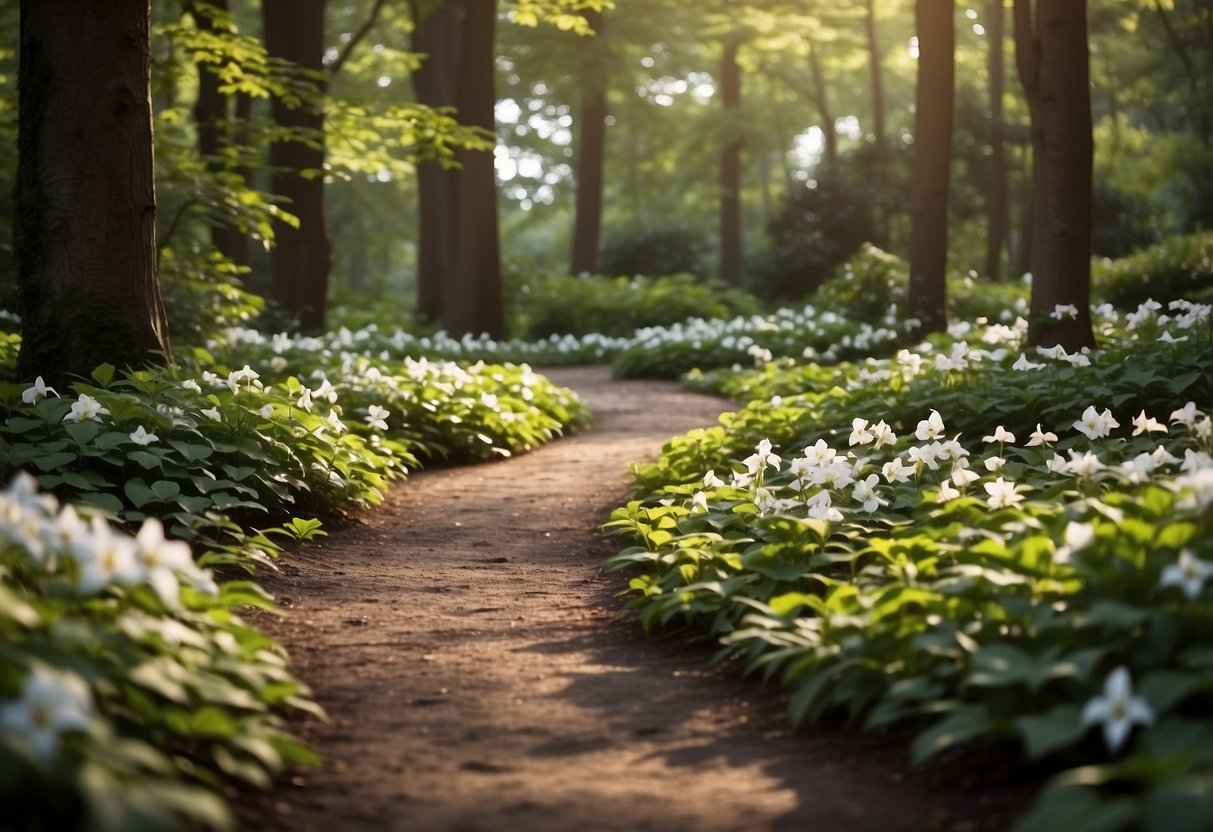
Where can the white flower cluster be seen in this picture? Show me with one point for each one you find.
(96, 555)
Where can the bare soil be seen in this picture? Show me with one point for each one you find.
(480, 677)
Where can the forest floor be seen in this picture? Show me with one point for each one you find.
(478, 676)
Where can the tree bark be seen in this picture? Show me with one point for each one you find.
(473, 298)
(730, 167)
(436, 34)
(1054, 65)
(932, 162)
(880, 173)
(996, 200)
(85, 205)
(300, 261)
(591, 158)
(211, 121)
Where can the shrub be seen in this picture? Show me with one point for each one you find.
(654, 250)
(618, 306)
(1177, 267)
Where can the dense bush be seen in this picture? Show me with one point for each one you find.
(654, 250)
(815, 229)
(965, 539)
(618, 306)
(1177, 267)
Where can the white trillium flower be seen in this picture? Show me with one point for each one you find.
(710, 480)
(1147, 424)
(762, 459)
(1118, 710)
(883, 435)
(1041, 437)
(930, 427)
(1022, 364)
(894, 471)
(1003, 494)
(35, 394)
(377, 416)
(1186, 415)
(53, 702)
(994, 464)
(1000, 436)
(1189, 573)
(142, 437)
(860, 433)
(699, 503)
(946, 492)
(84, 409)
(865, 493)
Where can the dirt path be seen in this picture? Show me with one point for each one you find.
(469, 652)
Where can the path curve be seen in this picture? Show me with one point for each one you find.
(470, 655)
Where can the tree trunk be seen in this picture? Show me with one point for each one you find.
(85, 203)
(996, 224)
(880, 172)
(300, 261)
(591, 158)
(473, 302)
(1054, 65)
(211, 121)
(436, 34)
(821, 97)
(730, 167)
(927, 299)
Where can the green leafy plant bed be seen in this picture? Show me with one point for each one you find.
(130, 690)
(129, 686)
(990, 543)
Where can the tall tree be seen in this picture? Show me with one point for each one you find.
(437, 36)
(932, 162)
(212, 120)
(85, 203)
(1054, 65)
(473, 299)
(821, 98)
(996, 200)
(730, 165)
(880, 141)
(294, 31)
(591, 153)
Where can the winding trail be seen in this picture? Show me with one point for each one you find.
(468, 651)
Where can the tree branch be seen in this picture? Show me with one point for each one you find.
(353, 42)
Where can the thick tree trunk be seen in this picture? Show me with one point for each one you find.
(300, 261)
(822, 99)
(436, 34)
(996, 199)
(927, 299)
(211, 121)
(1054, 64)
(591, 158)
(730, 167)
(880, 173)
(473, 302)
(85, 203)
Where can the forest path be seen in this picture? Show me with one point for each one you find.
(469, 652)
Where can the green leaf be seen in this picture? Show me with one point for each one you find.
(1077, 809)
(1047, 732)
(50, 462)
(106, 502)
(104, 375)
(961, 725)
(165, 490)
(82, 432)
(137, 492)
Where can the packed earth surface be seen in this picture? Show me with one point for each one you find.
(479, 673)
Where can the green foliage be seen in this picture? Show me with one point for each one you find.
(965, 540)
(130, 689)
(616, 307)
(816, 228)
(1177, 267)
(203, 295)
(654, 250)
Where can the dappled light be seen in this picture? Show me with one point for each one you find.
(605, 415)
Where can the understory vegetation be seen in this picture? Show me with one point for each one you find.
(988, 543)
